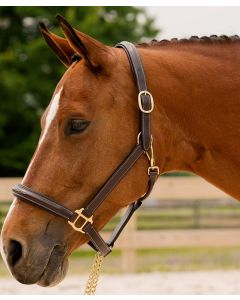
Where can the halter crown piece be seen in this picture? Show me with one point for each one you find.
(143, 146)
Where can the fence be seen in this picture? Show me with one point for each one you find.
(192, 195)
(167, 188)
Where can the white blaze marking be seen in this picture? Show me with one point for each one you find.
(51, 114)
(50, 117)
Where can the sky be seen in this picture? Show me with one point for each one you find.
(182, 22)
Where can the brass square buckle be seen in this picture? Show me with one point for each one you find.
(153, 168)
(80, 214)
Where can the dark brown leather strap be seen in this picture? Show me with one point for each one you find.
(43, 201)
(145, 143)
(139, 76)
(113, 180)
(96, 241)
(153, 176)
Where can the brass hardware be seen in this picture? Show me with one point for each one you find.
(94, 275)
(153, 168)
(80, 214)
(140, 102)
(150, 156)
(138, 137)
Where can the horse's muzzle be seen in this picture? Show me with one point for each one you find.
(45, 264)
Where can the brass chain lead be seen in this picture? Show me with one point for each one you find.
(94, 275)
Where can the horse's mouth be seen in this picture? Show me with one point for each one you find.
(55, 269)
(42, 268)
(54, 272)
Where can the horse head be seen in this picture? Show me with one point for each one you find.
(88, 128)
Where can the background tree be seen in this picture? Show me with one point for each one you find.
(29, 71)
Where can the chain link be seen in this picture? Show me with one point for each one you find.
(94, 275)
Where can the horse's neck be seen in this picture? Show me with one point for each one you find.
(196, 123)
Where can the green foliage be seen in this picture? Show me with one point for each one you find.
(30, 72)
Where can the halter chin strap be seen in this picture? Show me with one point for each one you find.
(143, 146)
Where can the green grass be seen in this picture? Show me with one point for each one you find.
(158, 260)
(89, 253)
(189, 259)
(165, 260)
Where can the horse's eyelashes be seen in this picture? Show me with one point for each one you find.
(76, 126)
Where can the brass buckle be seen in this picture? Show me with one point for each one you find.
(153, 168)
(80, 214)
(150, 156)
(140, 102)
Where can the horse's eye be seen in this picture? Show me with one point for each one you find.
(75, 126)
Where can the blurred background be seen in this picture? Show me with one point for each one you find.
(188, 232)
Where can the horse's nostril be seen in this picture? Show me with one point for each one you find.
(14, 252)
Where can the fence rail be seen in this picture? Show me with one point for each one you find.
(167, 188)
(177, 192)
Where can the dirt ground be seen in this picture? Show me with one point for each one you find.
(209, 282)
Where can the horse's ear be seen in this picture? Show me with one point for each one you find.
(96, 55)
(60, 46)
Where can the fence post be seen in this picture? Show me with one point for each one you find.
(129, 255)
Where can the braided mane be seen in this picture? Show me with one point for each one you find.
(192, 39)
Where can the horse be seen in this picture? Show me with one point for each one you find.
(92, 122)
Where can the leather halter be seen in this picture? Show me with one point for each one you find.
(143, 146)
